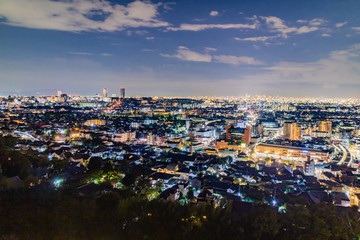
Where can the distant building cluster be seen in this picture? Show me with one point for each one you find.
(249, 149)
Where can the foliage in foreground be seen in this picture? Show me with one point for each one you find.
(42, 213)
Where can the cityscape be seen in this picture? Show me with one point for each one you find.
(253, 149)
(179, 120)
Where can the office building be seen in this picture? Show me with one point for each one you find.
(238, 135)
(291, 131)
(324, 126)
(105, 92)
(122, 92)
(287, 130)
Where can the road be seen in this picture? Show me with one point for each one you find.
(347, 158)
(343, 158)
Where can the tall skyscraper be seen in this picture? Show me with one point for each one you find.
(105, 92)
(122, 92)
(59, 93)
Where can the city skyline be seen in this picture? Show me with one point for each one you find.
(207, 48)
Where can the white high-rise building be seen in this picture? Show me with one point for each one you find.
(105, 92)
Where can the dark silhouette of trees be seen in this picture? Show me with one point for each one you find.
(94, 164)
(44, 213)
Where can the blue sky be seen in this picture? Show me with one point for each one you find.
(181, 48)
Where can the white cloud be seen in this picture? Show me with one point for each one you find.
(317, 22)
(210, 49)
(278, 25)
(214, 13)
(106, 54)
(235, 60)
(255, 39)
(79, 15)
(306, 29)
(81, 53)
(356, 29)
(167, 5)
(326, 35)
(200, 27)
(341, 24)
(314, 22)
(340, 67)
(141, 32)
(185, 54)
(150, 38)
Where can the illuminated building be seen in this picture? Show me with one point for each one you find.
(63, 98)
(308, 131)
(151, 139)
(238, 135)
(122, 92)
(226, 145)
(291, 131)
(324, 129)
(105, 92)
(290, 152)
(295, 133)
(124, 137)
(227, 132)
(320, 134)
(59, 93)
(309, 168)
(95, 122)
(286, 130)
(324, 126)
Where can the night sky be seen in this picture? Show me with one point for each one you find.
(307, 48)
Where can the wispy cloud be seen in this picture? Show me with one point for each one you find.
(340, 67)
(136, 32)
(167, 5)
(357, 29)
(210, 49)
(80, 15)
(106, 54)
(313, 22)
(214, 13)
(341, 24)
(278, 25)
(235, 60)
(326, 35)
(183, 53)
(81, 53)
(150, 38)
(200, 27)
(256, 39)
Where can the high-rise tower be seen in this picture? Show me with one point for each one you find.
(122, 92)
(105, 92)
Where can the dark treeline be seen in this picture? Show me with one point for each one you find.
(43, 213)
